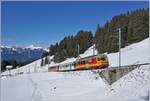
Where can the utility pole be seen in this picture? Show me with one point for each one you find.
(93, 50)
(119, 47)
(78, 49)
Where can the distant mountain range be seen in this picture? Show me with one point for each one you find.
(21, 54)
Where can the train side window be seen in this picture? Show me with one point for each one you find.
(93, 59)
(103, 58)
(83, 62)
(98, 59)
(90, 60)
(86, 62)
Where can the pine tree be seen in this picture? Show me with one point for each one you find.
(134, 27)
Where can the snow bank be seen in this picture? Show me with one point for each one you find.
(16, 89)
(80, 85)
(133, 86)
(134, 54)
(53, 86)
(89, 52)
(31, 68)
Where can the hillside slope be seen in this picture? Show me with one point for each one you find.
(80, 85)
(134, 54)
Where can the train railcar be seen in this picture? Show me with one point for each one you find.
(93, 62)
(66, 67)
(53, 69)
(102, 61)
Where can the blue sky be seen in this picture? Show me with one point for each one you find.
(44, 23)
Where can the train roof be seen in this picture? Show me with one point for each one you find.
(92, 56)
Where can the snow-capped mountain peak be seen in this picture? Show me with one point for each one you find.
(33, 47)
(21, 54)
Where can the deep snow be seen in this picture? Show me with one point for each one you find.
(134, 54)
(38, 85)
(83, 85)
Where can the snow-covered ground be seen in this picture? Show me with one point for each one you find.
(83, 85)
(133, 86)
(134, 54)
(35, 84)
(52, 86)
